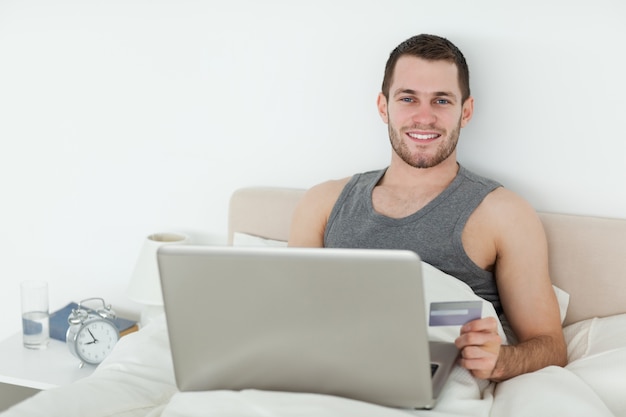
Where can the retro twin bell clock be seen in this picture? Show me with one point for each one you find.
(92, 334)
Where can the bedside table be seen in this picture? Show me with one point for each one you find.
(39, 369)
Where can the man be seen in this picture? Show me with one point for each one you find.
(466, 225)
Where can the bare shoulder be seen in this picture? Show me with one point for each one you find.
(327, 191)
(515, 230)
(312, 213)
(500, 211)
(506, 209)
(320, 199)
(502, 225)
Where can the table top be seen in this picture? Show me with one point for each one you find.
(39, 369)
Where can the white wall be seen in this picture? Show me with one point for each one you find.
(119, 118)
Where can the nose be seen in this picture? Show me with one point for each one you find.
(424, 115)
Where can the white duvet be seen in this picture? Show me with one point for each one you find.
(137, 379)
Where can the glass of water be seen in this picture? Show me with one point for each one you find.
(35, 315)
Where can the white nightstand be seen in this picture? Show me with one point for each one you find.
(39, 369)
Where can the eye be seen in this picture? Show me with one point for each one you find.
(442, 101)
(407, 100)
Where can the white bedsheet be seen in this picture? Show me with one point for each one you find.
(137, 380)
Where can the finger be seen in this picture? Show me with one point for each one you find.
(480, 368)
(475, 352)
(486, 324)
(485, 339)
(480, 363)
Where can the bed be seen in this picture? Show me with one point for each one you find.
(588, 268)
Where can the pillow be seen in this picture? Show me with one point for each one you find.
(607, 333)
(603, 363)
(562, 298)
(595, 336)
(577, 339)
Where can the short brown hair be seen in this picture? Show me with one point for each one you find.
(432, 48)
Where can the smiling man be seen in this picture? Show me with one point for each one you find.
(467, 226)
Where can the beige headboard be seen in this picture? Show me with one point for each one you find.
(588, 260)
(262, 211)
(587, 254)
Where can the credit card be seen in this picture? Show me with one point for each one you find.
(454, 313)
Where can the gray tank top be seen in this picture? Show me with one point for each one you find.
(433, 232)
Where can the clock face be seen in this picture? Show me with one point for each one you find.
(96, 340)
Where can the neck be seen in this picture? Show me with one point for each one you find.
(400, 174)
(404, 190)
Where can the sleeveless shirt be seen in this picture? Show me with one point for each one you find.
(433, 232)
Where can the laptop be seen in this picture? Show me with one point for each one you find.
(343, 322)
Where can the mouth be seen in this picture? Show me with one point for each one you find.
(423, 137)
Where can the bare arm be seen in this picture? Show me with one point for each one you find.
(526, 293)
(311, 215)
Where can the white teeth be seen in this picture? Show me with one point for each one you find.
(423, 137)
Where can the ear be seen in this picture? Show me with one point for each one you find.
(467, 111)
(381, 103)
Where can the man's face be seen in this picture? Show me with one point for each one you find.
(424, 112)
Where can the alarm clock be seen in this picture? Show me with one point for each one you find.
(92, 334)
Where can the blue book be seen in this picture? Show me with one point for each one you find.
(59, 323)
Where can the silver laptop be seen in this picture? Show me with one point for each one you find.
(344, 322)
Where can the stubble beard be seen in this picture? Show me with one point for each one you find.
(419, 159)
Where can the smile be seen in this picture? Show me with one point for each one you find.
(426, 136)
